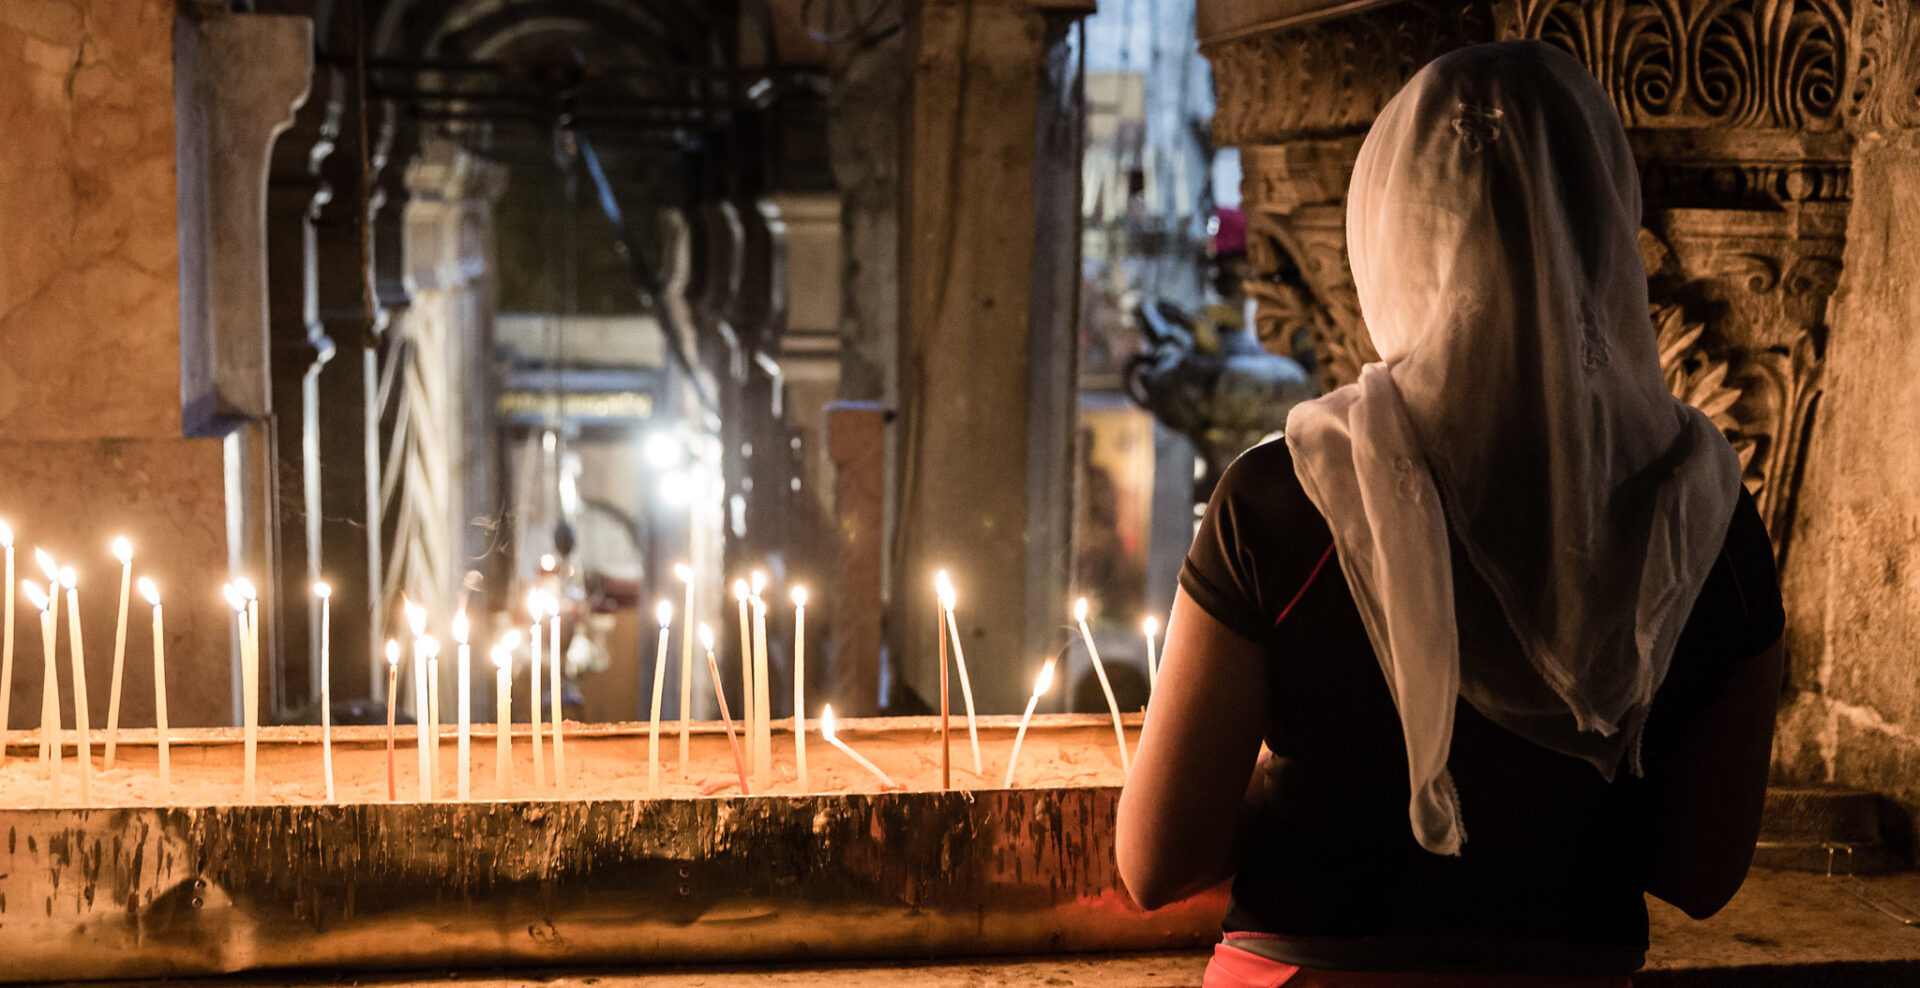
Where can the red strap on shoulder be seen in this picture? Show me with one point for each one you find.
(1317, 567)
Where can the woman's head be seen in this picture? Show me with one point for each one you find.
(1500, 169)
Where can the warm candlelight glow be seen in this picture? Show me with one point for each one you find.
(548, 564)
(683, 572)
(233, 597)
(322, 590)
(35, 596)
(827, 726)
(502, 656)
(1080, 610)
(460, 627)
(759, 582)
(706, 637)
(6, 536)
(1045, 681)
(827, 722)
(68, 579)
(799, 596)
(149, 592)
(943, 587)
(47, 565)
(1150, 626)
(393, 653)
(246, 589)
(123, 550)
(740, 590)
(1040, 686)
(663, 612)
(430, 647)
(416, 617)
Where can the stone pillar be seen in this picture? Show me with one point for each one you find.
(981, 439)
(856, 443)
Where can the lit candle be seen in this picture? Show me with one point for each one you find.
(555, 697)
(433, 717)
(393, 691)
(946, 733)
(52, 618)
(827, 725)
(123, 551)
(250, 678)
(742, 594)
(502, 720)
(463, 697)
(6, 645)
(947, 598)
(536, 604)
(664, 613)
(685, 573)
(800, 685)
(1040, 687)
(427, 648)
(1151, 628)
(762, 693)
(1100, 670)
(76, 651)
(152, 595)
(720, 695)
(49, 687)
(325, 593)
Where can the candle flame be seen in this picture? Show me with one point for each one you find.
(233, 597)
(943, 587)
(759, 582)
(1045, 681)
(511, 640)
(739, 590)
(799, 596)
(827, 722)
(68, 578)
(416, 616)
(942, 582)
(1080, 610)
(663, 612)
(706, 637)
(322, 590)
(548, 563)
(683, 572)
(393, 652)
(245, 586)
(123, 550)
(1150, 626)
(460, 627)
(47, 565)
(35, 596)
(548, 441)
(6, 536)
(430, 647)
(502, 656)
(534, 605)
(149, 591)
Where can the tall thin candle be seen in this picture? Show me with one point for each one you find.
(152, 595)
(393, 691)
(762, 694)
(502, 720)
(6, 644)
(800, 686)
(948, 597)
(49, 687)
(946, 733)
(433, 720)
(827, 728)
(720, 695)
(742, 594)
(325, 593)
(427, 648)
(685, 573)
(52, 617)
(1100, 670)
(463, 699)
(555, 697)
(1040, 687)
(123, 551)
(250, 680)
(76, 650)
(663, 612)
(536, 603)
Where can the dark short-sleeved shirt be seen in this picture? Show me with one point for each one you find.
(1550, 879)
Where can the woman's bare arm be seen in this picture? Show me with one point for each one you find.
(1708, 797)
(1184, 803)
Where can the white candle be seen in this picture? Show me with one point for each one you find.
(664, 613)
(123, 551)
(556, 698)
(325, 593)
(762, 695)
(250, 679)
(463, 698)
(536, 603)
(49, 688)
(685, 573)
(827, 725)
(720, 697)
(1151, 628)
(51, 685)
(76, 651)
(502, 721)
(944, 586)
(433, 718)
(1040, 687)
(6, 644)
(152, 595)
(1100, 670)
(393, 692)
(742, 595)
(423, 649)
(800, 686)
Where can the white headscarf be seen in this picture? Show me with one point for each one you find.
(1519, 405)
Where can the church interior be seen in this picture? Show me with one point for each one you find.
(691, 491)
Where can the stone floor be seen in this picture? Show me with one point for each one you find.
(1784, 929)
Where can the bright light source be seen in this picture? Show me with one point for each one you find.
(663, 612)
(1080, 610)
(149, 591)
(123, 550)
(393, 652)
(663, 450)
